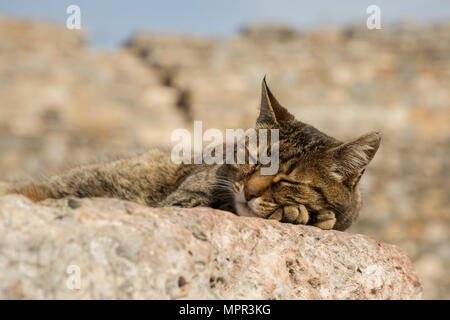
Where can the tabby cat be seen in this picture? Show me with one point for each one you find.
(316, 183)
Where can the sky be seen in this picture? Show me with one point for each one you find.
(109, 23)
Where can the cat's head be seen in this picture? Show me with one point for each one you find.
(315, 170)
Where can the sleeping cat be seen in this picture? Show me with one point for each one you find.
(316, 183)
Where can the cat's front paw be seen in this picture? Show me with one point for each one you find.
(326, 219)
(277, 215)
(293, 214)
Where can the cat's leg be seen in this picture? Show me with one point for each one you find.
(325, 219)
(186, 199)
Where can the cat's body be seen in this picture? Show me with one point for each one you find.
(150, 179)
(316, 182)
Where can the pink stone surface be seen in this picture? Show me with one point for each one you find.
(122, 250)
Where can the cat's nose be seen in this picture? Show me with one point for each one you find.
(250, 193)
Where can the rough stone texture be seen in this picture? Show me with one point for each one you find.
(62, 104)
(126, 251)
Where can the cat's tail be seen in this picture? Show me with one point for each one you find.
(31, 190)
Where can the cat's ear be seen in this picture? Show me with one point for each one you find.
(352, 158)
(271, 111)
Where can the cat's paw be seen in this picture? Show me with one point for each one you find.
(293, 214)
(277, 215)
(326, 219)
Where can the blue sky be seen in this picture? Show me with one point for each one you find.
(110, 22)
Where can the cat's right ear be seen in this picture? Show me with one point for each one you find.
(271, 111)
(352, 158)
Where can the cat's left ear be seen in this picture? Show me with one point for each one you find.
(271, 111)
(352, 158)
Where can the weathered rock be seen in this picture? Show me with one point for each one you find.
(124, 250)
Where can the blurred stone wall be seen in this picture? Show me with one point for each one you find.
(62, 104)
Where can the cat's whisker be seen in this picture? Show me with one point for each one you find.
(224, 181)
(222, 185)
